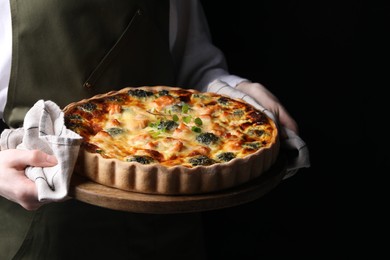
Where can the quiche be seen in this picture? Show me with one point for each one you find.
(170, 140)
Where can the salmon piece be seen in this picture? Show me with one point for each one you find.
(114, 108)
(164, 101)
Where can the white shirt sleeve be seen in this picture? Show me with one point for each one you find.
(5, 51)
(198, 62)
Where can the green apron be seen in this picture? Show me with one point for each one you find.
(68, 50)
(65, 51)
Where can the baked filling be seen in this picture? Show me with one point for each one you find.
(170, 140)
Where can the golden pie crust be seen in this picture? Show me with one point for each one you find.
(174, 180)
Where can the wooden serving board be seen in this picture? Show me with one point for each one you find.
(93, 193)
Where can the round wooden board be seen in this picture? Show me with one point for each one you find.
(93, 193)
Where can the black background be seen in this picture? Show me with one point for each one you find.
(327, 61)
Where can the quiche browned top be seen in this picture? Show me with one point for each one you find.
(164, 129)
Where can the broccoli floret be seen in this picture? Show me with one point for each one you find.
(73, 121)
(88, 107)
(256, 132)
(73, 117)
(167, 125)
(163, 92)
(176, 108)
(139, 93)
(225, 157)
(113, 131)
(252, 146)
(200, 96)
(201, 160)
(115, 98)
(143, 159)
(207, 138)
(180, 108)
(223, 100)
(238, 113)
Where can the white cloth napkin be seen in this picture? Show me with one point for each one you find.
(296, 149)
(44, 129)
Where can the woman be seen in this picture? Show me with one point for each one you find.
(68, 50)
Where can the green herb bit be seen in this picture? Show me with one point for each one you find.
(155, 134)
(187, 119)
(196, 129)
(155, 124)
(185, 108)
(198, 121)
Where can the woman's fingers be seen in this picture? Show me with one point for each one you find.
(20, 159)
(14, 185)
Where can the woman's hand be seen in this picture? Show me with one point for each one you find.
(14, 185)
(270, 102)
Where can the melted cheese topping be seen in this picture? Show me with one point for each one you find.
(169, 126)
